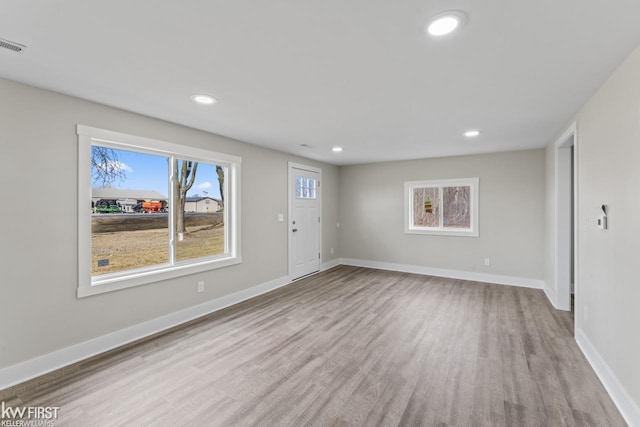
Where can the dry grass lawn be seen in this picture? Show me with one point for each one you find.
(126, 250)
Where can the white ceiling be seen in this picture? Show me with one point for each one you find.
(361, 74)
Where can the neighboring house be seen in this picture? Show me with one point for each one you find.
(201, 204)
(128, 199)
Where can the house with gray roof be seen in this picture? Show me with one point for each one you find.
(202, 204)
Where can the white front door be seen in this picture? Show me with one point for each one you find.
(304, 225)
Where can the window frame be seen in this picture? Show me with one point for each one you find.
(473, 183)
(92, 285)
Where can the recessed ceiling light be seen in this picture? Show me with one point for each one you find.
(446, 22)
(204, 99)
(472, 133)
(336, 149)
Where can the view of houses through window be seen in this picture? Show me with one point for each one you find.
(133, 207)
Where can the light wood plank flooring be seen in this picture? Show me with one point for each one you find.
(347, 347)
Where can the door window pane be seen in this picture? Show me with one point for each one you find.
(298, 187)
(305, 188)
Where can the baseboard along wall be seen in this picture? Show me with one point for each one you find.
(44, 364)
(627, 407)
(451, 274)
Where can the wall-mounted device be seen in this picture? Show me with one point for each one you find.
(602, 217)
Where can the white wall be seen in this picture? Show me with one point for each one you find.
(39, 311)
(608, 290)
(512, 212)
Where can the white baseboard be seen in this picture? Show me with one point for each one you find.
(627, 407)
(451, 274)
(330, 264)
(551, 295)
(33, 368)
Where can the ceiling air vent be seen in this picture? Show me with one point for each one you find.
(15, 47)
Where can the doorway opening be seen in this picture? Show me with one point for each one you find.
(566, 219)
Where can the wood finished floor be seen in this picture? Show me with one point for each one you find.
(347, 347)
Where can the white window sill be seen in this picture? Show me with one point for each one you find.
(110, 284)
(444, 232)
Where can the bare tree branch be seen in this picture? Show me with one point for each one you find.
(106, 167)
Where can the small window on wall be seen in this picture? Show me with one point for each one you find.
(442, 207)
(158, 210)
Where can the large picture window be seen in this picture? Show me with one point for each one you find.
(442, 207)
(152, 210)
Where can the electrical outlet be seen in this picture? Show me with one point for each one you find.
(487, 262)
(201, 286)
(331, 250)
(337, 225)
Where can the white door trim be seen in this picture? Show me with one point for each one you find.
(290, 167)
(562, 234)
